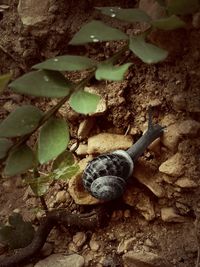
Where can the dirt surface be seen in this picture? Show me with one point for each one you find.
(172, 86)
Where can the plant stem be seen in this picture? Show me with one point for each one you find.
(75, 88)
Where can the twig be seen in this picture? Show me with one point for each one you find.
(87, 221)
(53, 111)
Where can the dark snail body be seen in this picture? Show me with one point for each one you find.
(105, 177)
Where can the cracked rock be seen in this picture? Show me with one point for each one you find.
(106, 142)
(59, 260)
(144, 259)
(33, 12)
(168, 214)
(174, 166)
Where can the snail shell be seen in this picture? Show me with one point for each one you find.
(105, 177)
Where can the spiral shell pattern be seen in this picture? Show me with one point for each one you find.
(105, 177)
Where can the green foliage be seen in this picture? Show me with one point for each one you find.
(19, 160)
(18, 234)
(161, 2)
(5, 144)
(97, 31)
(21, 121)
(106, 71)
(169, 23)
(48, 80)
(84, 102)
(53, 139)
(46, 83)
(182, 7)
(39, 185)
(64, 167)
(66, 63)
(147, 52)
(128, 14)
(4, 79)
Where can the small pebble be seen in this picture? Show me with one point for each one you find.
(127, 213)
(149, 243)
(72, 247)
(94, 245)
(168, 214)
(61, 197)
(79, 239)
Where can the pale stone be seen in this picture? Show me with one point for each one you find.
(72, 247)
(155, 103)
(171, 137)
(8, 185)
(76, 189)
(10, 106)
(127, 213)
(189, 127)
(185, 182)
(59, 260)
(134, 197)
(33, 12)
(174, 166)
(106, 142)
(85, 127)
(61, 197)
(149, 243)
(125, 245)
(146, 208)
(94, 245)
(79, 239)
(147, 176)
(168, 214)
(117, 215)
(82, 149)
(144, 259)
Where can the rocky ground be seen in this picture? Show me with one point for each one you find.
(156, 222)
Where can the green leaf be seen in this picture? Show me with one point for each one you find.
(44, 83)
(53, 139)
(106, 71)
(21, 121)
(64, 159)
(4, 79)
(96, 31)
(127, 14)
(169, 23)
(18, 234)
(64, 166)
(19, 160)
(147, 52)
(39, 185)
(5, 144)
(161, 3)
(67, 63)
(182, 7)
(84, 102)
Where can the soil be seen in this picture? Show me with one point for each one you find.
(174, 84)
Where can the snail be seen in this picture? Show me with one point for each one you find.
(105, 177)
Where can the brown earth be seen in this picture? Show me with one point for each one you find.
(173, 86)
